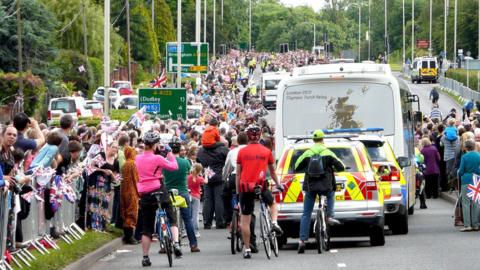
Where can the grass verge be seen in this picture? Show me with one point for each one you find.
(59, 259)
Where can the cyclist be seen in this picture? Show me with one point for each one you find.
(177, 179)
(149, 168)
(252, 163)
(323, 184)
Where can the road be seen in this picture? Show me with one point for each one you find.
(432, 243)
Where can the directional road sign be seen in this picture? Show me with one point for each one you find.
(167, 103)
(190, 62)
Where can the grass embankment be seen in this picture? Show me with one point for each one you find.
(59, 259)
(460, 75)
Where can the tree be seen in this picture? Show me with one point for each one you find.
(144, 39)
(38, 43)
(164, 27)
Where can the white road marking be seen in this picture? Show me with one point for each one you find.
(333, 251)
(341, 265)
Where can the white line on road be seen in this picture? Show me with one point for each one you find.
(341, 265)
(333, 251)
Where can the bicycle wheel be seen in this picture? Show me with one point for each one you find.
(318, 231)
(233, 233)
(264, 233)
(168, 249)
(272, 236)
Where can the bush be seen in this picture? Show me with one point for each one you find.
(34, 91)
(95, 69)
(461, 76)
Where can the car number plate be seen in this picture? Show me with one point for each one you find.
(339, 187)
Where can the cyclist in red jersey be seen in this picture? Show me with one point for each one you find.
(252, 163)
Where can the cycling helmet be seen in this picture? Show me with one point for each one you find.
(318, 134)
(175, 144)
(253, 132)
(151, 138)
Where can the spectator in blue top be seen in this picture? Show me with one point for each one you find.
(469, 165)
(48, 153)
(467, 109)
(22, 122)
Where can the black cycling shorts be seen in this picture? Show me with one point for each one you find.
(149, 206)
(247, 201)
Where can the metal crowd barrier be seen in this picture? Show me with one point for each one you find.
(458, 88)
(36, 229)
(3, 227)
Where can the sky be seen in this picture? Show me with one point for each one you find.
(315, 4)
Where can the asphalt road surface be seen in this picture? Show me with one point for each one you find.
(432, 243)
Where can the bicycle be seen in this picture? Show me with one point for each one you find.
(321, 228)
(163, 226)
(269, 237)
(236, 241)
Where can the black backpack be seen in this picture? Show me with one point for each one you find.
(315, 176)
(315, 166)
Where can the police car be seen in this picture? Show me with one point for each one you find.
(359, 199)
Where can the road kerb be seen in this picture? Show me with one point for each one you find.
(91, 258)
(449, 197)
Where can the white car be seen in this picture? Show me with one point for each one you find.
(99, 94)
(126, 102)
(75, 106)
(96, 107)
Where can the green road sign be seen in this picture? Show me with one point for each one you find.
(167, 103)
(189, 57)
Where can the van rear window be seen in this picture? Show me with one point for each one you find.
(433, 64)
(66, 106)
(425, 64)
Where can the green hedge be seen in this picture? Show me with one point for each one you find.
(461, 76)
(122, 115)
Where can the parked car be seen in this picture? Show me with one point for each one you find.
(124, 87)
(126, 102)
(99, 94)
(75, 106)
(96, 107)
(358, 197)
(194, 112)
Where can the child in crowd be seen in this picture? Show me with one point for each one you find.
(211, 135)
(195, 182)
(46, 155)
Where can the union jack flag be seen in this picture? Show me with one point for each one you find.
(209, 173)
(159, 80)
(474, 190)
(138, 117)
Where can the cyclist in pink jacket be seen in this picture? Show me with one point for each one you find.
(150, 179)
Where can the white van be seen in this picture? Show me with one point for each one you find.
(75, 106)
(347, 96)
(270, 82)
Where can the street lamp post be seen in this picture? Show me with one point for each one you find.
(413, 29)
(445, 15)
(403, 33)
(455, 32)
(106, 56)
(314, 36)
(205, 21)
(179, 43)
(214, 27)
(369, 25)
(430, 33)
(386, 34)
(249, 25)
(359, 31)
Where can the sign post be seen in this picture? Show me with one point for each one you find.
(190, 61)
(167, 103)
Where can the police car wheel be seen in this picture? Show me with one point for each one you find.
(377, 236)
